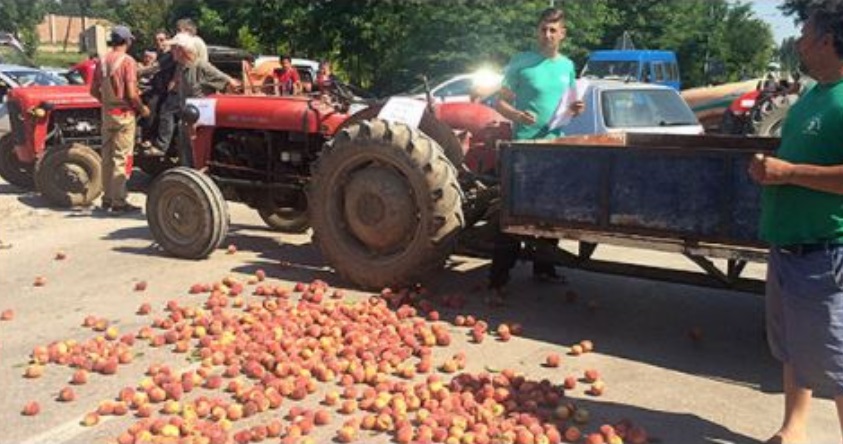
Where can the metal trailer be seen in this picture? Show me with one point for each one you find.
(683, 194)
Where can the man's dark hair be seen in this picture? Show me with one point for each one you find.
(827, 14)
(828, 19)
(186, 25)
(283, 57)
(552, 15)
(116, 41)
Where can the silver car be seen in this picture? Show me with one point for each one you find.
(16, 76)
(616, 106)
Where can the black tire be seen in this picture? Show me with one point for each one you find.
(430, 125)
(771, 117)
(732, 124)
(385, 205)
(290, 219)
(13, 170)
(70, 176)
(155, 165)
(186, 213)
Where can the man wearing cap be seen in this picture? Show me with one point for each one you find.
(115, 85)
(186, 26)
(195, 78)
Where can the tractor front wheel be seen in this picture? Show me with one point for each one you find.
(385, 204)
(70, 177)
(187, 213)
(12, 169)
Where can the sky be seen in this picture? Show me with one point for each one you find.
(782, 26)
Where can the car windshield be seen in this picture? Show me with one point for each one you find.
(13, 56)
(608, 69)
(640, 108)
(41, 78)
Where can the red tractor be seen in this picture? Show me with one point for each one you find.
(761, 112)
(386, 200)
(54, 144)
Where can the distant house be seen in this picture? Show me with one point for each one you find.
(58, 29)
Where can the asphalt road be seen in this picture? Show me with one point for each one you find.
(724, 388)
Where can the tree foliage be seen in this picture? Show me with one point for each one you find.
(386, 44)
(21, 18)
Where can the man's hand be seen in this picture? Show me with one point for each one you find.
(235, 85)
(526, 118)
(577, 108)
(767, 170)
(144, 111)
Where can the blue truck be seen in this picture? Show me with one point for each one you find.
(646, 66)
(675, 193)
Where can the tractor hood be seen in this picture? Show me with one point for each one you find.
(288, 113)
(64, 96)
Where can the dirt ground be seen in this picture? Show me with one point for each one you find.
(724, 388)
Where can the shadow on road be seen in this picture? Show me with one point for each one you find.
(6, 188)
(664, 427)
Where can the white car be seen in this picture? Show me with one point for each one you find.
(615, 106)
(16, 76)
(461, 87)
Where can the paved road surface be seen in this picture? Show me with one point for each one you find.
(724, 389)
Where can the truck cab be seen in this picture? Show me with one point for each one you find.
(645, 66)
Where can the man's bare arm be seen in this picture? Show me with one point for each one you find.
(772, 171)
(505, 107)
(133, 95)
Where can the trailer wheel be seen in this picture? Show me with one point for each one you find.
(187, 213)
(288, 218)
(13, 170)
(71, 176)
(385, 204)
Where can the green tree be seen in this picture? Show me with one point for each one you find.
(21, 19)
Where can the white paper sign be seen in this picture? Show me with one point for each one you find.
(562, 116)
(403, 109)
(207, 111)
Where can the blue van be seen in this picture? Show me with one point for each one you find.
(646, 66)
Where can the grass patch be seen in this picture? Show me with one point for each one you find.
(58, 59)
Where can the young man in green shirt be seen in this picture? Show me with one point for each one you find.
(802, 219)
(534, 83)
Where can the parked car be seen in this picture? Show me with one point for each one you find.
(460, 87)
(15, 76)
(613, 106)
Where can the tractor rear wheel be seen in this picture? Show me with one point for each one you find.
(770, 118)
(187, 213)
(13, 170)
(385, 204)
(71, 176)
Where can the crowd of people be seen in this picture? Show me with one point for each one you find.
(153, 91)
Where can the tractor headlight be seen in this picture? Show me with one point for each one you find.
(40, 111)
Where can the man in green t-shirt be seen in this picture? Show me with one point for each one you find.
(534, 83)
(802, 219)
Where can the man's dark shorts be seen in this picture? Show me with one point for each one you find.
(805, 314)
